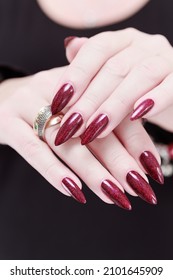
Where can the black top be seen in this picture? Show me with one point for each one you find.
(38, 222)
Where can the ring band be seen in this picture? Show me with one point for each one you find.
(45, 119)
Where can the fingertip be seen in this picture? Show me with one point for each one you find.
(74, 189)
(68, 40)
(72, 45)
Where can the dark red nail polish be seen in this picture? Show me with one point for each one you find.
(73, 189)
(62, 98)
(94, 129)
(69, 128)
(116, 195)
(67, 40)
(170, 150)
(141, 187)
(151, 166)
(142, 109)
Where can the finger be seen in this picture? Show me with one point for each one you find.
(73, 45)
(39, 156)
(70, 154)
(89, 169)
(123, 167)
(100, 88)
(86, 64)
(38, 90)
(158, 99)
(136, 140)
(140, 80)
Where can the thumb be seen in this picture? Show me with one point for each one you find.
(72, 45)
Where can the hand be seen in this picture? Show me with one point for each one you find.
(116, 168)
(114, 72)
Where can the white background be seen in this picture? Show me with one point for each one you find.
(97, 265)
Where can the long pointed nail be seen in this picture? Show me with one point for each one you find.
(69, 128)
(67, 40)
(170, 151)
(116, 195)
(141, 187)
(70, 186)
(94, 129)
(151, 166)
(62, 98)
(142, 109)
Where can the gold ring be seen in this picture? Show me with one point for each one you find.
(45, 119)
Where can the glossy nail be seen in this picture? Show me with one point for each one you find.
(141, 187)
(69, 128)
(94, 129)
(151, 166)
(170, 151)
(70, 186)
(62, 98)
(67, 40)
(116, 195)
(142, 109)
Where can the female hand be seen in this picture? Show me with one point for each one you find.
(112, 73)
(116, 168)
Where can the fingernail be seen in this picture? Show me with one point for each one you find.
(69, 128)
(116, 195)
(67, 40)
(151, 166)
(170, 151)
(62, 98)
(141, 187)
(70, 186)
(94, 129)
(142, 109)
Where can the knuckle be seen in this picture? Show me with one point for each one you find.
(136, 137)
(116, 159)
(96, 47)
(166, 90)
(116, 67)
(50, 170)
(91, 100)
(157, 44)
(78, 70)
(131, 31)
(99, 40)
(98, 43)
(124, 102)
(150, 69)
(88, 171)
(31, 149)
(38, 77)
(160, 40)
(103, 35)
(42, 80)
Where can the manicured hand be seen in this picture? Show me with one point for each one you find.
(108, 166)
(114, 75)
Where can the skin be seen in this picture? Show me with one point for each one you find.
(116, 159)
(110, 151)
(145, 71)
(94, 13)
